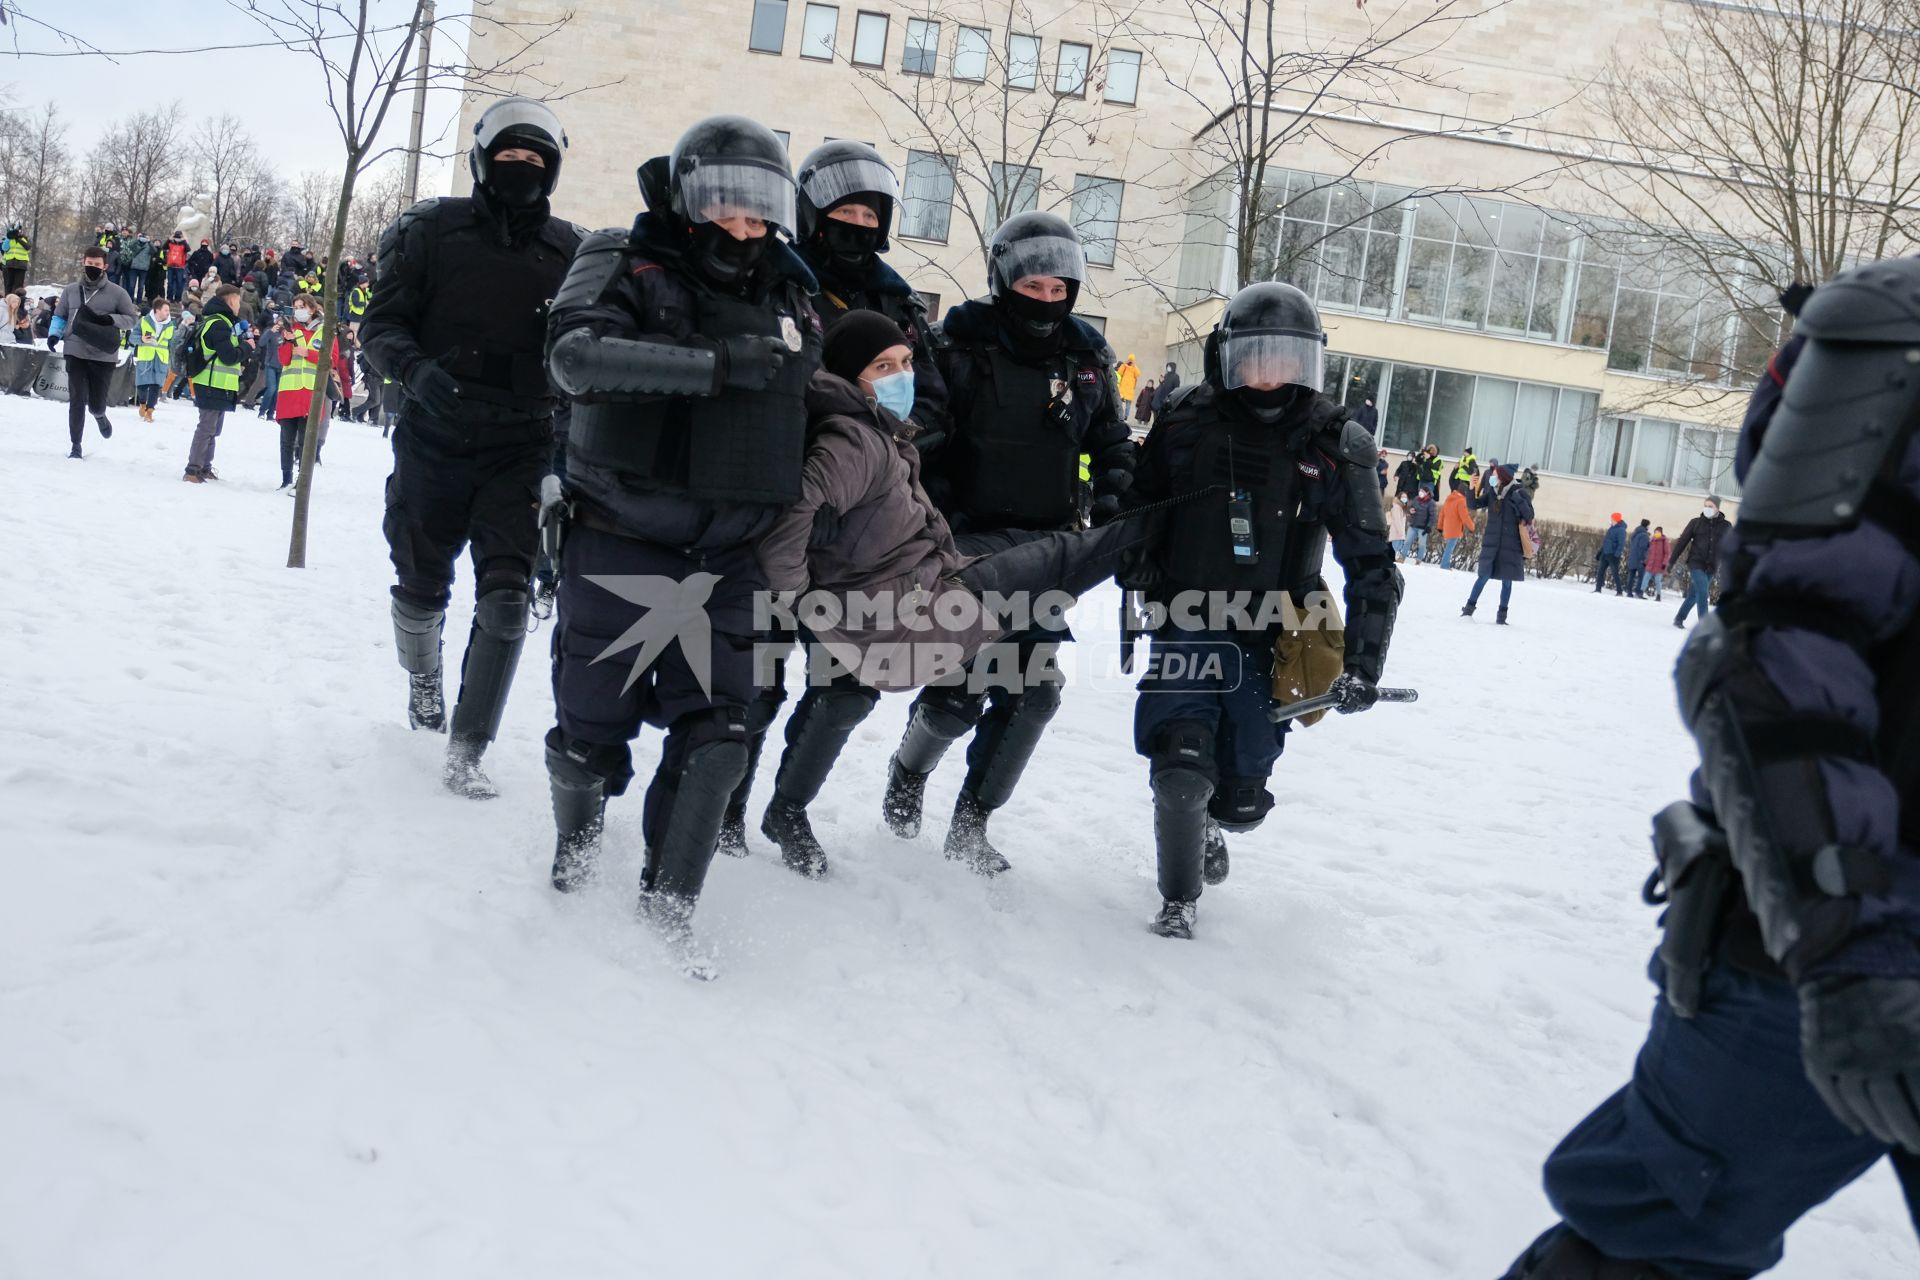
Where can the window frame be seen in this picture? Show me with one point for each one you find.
(986, 53)
(947, 167)
(907, 47)
(886, 29)
(1106, 89)
(1087, 182)
(1059, 65)
(1039, 61)
(833, 40)
(779, 49)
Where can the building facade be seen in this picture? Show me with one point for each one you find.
(1440, 207)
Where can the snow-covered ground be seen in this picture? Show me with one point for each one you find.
(273, 1004)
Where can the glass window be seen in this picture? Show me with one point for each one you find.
(1362, 383)
(786, 140)
(1549, 299)
(1520, 227)
(970, 54)
(1511, 292)
(931, 301)
(1756, 332)
(1632, 330)
(1725, 483)
(1427, 279)
(1653, 458)
(1447, 425)
(923, 47)
(1096, 216)
(926, 197)
(1532, 425)
(1694, 464)
(1612, 447)
(1593, 305)
(1123, 76)
(1376, 276)
(1341, 256)
(769, 34)
(1573, 432)
(1467, 286)
(1674, 320)
(817, 30)
(1479, 222)
(1099, 323)
(870, 39)
(1070, 75)
(1492, 421)
(1016, 189)
(1023, 62)
(1408, 391)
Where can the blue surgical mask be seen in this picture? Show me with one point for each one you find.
(895, 394)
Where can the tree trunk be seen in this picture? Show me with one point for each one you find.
(329, 306)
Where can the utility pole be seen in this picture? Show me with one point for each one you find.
(419, 104)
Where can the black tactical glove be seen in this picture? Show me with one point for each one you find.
(1860, 1039)
(1105, 508)
(1355, 691)
(53, 342)
(749, 362)
(826, 528)
(435, 390)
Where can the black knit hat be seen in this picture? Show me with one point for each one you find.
(855, 339)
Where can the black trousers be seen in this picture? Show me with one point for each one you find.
(442, 498)
(87, 382)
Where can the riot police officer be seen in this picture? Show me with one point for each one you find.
(1270, 471)
(846, 200)
(686, 345)
(1035, 437)
(458, 317)
(1784, 1056)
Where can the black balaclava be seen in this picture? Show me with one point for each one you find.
(520, 184)
(1271, 406)
(725, 261)
(849, 249)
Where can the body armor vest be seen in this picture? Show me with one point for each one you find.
(1018, 469)
(486, 322)
(741, 446)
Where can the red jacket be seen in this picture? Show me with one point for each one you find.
(296, 344)
(1659, 554)
(176, 253)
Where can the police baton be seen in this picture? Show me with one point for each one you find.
(1328, 701)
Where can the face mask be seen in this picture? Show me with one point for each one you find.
(848, 245)
(94, 273)
(895, 394)
(1036, 319)
(1270, 406)
(1708, 512)
(721, 258)
(519, 183)
(301, 315)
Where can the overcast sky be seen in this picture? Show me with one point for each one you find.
(279, 93)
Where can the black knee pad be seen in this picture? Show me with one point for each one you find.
(1039, 701)
(1183, 745)
(1240, 804)
(416, 635)
(950, 706)
(613, 765)
(842, 707)
(767, 701)
(502, 614)
(1562, 1255)
(1181, 788)
(715, 724)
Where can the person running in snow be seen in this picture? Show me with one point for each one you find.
(1301, 480)
(88, 322)
(1509, 508)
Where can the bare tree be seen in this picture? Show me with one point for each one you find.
(135, 171)
(35, 170)
(993, 121)
(381, 198)
(365, 68)
(1759, 144)
(230, 172)
(309, 203)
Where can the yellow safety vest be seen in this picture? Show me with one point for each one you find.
(357, 302)
(219, 375)
(303, 372)
(155, 340)
(1464, 472)
(16, 251)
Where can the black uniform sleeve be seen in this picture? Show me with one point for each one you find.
(929, 385)
(1109, 441)
(401, 293)
(1357, 529)
(597, 346)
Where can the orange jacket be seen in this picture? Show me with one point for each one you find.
(1455, 520)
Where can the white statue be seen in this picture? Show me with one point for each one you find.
(193, 224)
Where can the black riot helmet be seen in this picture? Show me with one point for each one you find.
(1035, 244)
(837, 172)
(726, 166)
(1270, 337)
(517, 122)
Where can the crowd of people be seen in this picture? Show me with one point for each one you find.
(1639, 561)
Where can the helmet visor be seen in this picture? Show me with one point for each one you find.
(1040, 256)
(1264, 361)
(520, 117)
(733, 188)
(828, 184)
